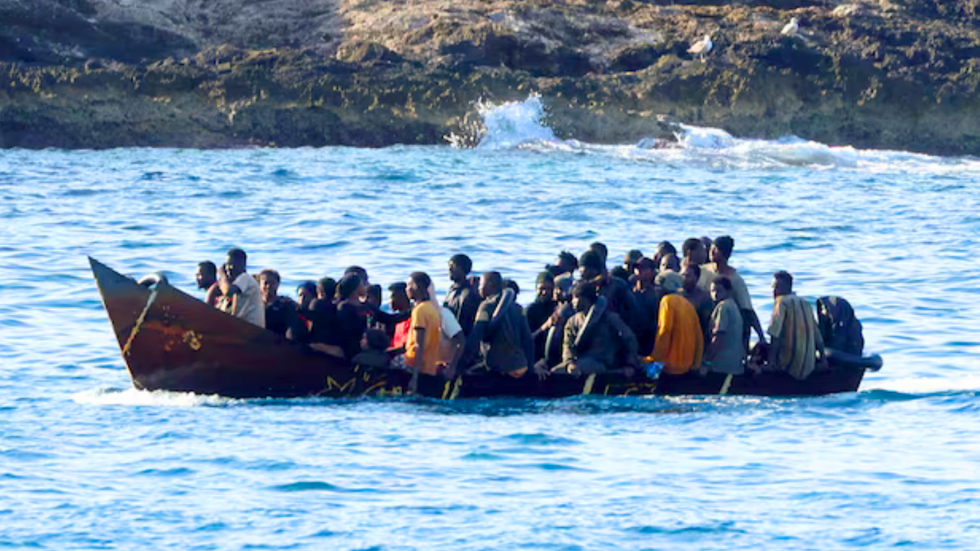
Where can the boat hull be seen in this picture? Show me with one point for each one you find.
(172, 341)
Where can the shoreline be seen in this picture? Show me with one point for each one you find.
(870, 78)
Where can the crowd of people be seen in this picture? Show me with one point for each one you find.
(689, 312)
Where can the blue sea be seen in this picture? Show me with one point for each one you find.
(88, 462)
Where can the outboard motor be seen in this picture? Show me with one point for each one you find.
(838, 325)
(843, 336)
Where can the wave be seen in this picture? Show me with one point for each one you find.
(134, 397)
(925, 386)
(523, 125)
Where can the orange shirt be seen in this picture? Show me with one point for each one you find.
(424, 316)
(680, 342)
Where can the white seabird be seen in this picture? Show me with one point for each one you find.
(791, 28)
(701, 47)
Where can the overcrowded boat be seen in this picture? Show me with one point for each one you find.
(172, 341)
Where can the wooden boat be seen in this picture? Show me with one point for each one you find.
(172, 341)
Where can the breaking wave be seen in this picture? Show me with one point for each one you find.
(523, 125)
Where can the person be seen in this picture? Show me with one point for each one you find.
(595, 341)
(663, 249)
(452, 341)
(630, 260)
(647, 296)
(373, 296)
(721, 252)
(795, 338)
(620, 272)
(322, 315)
(566, 263)
(600, 249)
(699, 299)
(399, 303)
(725, 351)
(359, 272)
(669, 263)
(693, 252)
(513, 286)
(350, 323)
(500, 337)
(617, 292)
(306, 294)
(326, 288)
(462, 299)
(373, 353)
(708, 242)
(680, 342)
(241, 291)
(553, 329)
(281, 313)
(422, 346)
(207, 279)
(539, 312)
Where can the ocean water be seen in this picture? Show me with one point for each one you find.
(87, 462)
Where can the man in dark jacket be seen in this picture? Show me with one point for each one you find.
(462, 299)
(500, 337)
(596, 341)
(619, 298)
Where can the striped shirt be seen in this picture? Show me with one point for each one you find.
(793, 323)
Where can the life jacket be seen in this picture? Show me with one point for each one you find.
(839, 327)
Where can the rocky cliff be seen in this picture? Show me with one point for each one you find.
(188, 73)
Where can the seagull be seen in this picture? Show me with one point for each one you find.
(791, 28)
(701, 47)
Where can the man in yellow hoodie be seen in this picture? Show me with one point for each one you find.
(680, 341)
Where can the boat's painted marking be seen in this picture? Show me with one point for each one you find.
(332, 384)
(445, 389)
(139, 323)
(726, 385)
(606, 391)
(375, 386)
(193, 339)
(456, 387)
(589, 383)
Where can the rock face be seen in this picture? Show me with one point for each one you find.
(188, 73)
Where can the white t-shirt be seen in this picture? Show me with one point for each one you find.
(250, 305)
(450, 327)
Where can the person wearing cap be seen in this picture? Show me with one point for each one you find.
(680, 342)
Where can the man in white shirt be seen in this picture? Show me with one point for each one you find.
(243, 294)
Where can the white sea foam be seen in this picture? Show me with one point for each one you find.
(522, 124)
(925, 385)
(134, 397)
(515, 124)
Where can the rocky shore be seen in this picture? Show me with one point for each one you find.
(183, 73)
